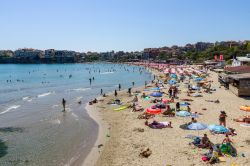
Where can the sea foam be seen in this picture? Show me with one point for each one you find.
(79, 89)
(10, 108)
(107, 73)
(44, 94)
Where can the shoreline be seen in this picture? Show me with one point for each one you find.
(94, 153)
(94, 113)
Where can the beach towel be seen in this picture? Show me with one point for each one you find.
(226, 148)
(190, 136)
(158, 125)
(245, 124)
(196, 95)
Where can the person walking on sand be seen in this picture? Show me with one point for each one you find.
(119, 86)
(63, 104)
(222, 118)
(115, 93)
(101, 91)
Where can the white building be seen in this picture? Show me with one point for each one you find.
(239, 61)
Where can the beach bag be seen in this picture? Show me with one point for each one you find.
(197, 141)
(225, 148)
(204, 158)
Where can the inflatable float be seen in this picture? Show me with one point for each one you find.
(121, 108)
(245, 108)
(153, 111)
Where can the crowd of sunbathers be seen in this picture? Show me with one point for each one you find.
(214, 151)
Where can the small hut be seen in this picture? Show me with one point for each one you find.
(239, 84)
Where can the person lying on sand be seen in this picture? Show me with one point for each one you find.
(186, 99)
(245, 119)
(168, 112)
(145, 116)
(213, 101)
(116, 101)
(155, 101)
(137, 108)
(158, 125)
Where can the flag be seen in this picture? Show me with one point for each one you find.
(215, 57)
(221, 57)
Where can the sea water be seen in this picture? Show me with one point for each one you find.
(33, 128)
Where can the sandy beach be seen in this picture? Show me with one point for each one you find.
(121, 139)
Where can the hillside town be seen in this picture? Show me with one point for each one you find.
(173, 54)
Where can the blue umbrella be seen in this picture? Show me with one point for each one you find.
(171, 82)
(155, 89)
(198, 79)
(197, 126)
(183, 104)
(183, 113)
(156, 94)
(173, 76)
(218, 128)
(194, 116)
(195, 88)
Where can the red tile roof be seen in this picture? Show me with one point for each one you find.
(238, 69)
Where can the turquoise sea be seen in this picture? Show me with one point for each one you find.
(33, 128)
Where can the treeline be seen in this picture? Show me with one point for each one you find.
(226, 51)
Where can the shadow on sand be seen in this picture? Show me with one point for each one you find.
(184, 126)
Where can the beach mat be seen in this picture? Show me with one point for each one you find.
(245, 125)
(121, 108)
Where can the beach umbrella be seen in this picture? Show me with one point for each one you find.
(183, 104)
(197, 79)
(171, 82)
(156, 94)
(155, 89)
(194, 115)
(218, 128)
(197, 126)
(183, 113)
(173, 76)
(195, 87)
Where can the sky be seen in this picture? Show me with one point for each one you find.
(128, 25)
